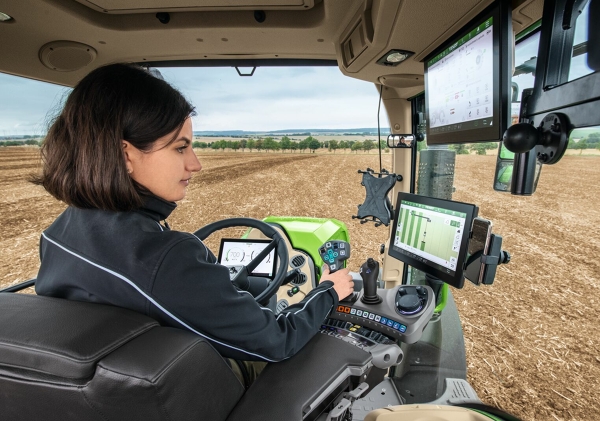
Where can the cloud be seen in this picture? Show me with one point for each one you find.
(273, 98)
(276, 98)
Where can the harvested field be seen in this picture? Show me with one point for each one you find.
(531, 338)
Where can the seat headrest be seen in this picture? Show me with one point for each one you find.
(62, 338)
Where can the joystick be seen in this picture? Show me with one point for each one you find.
(334, 253)
(369, 271)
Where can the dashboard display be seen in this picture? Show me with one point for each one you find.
(240, 252)
(432, 235)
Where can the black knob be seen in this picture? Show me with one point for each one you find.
(409, 303)
(520, 137)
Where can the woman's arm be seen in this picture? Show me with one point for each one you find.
(192, 292)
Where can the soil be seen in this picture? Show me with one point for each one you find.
(531, 337)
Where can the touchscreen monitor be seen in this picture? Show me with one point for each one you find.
(467, 81)
(432, 235)
(240, 252)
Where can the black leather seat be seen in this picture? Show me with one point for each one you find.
(67, 360)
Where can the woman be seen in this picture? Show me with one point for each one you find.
(120, 156)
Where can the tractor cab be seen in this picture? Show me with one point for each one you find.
(507, 84)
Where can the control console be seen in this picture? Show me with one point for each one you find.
(402, 314)
(334, 253)
(383, 349)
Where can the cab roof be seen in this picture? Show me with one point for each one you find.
(60, 41)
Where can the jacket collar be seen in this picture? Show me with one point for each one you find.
(157, 208)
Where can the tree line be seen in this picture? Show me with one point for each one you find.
(32, 142)
(286, 144)
(592, 141)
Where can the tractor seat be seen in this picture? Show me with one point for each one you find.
(69, 360)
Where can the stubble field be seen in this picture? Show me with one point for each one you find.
(531, 338)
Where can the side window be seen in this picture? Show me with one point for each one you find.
(32, 103)
(526, 52)
(579, 67)
(584, 141)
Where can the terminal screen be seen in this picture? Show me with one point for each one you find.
(432, 235)
(460, 85)
(236, 252)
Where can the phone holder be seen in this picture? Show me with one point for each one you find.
(377, 206)
(490, 261)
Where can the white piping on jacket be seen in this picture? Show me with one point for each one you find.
(164, 310)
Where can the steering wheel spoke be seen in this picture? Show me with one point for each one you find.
(261, 256)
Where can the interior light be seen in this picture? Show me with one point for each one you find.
(394, 57)
(4, 17)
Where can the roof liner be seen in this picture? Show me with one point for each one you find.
(317, 32)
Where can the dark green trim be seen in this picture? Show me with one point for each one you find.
(529, 30)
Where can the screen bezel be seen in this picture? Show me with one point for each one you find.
(502, 65)
(457, 279)
(253, 240)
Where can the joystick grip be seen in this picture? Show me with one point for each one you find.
(369, 272)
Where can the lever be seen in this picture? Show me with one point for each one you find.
(369, 271)
(290, 276)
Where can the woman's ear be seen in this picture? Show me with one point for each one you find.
(129, 154)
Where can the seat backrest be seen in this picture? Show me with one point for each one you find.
(68, 360)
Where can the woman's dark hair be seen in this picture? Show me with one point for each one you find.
(82, 154)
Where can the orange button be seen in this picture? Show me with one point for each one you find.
(346, 309)
(340, 309)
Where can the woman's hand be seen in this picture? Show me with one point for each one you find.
(342, 281)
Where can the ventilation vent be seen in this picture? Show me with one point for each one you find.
(300, 280)
(281, 305)
(298, 261)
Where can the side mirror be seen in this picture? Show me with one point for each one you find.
(526, 176)
(504, 169)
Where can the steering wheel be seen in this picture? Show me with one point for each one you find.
(243, 279)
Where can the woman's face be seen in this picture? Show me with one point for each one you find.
(165, 171)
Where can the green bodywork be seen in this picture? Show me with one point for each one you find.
(442, 299)
(308, 234)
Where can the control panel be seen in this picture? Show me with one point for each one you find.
(402, 314)
(334, 253)
(383, 349)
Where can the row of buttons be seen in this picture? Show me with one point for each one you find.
(332, 324)
(374, 317)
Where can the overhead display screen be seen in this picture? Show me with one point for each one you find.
(461, 80)
(432, 235)
(467, 82)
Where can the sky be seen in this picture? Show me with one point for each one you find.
(273, 98)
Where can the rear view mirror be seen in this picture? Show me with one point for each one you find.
(401, 141)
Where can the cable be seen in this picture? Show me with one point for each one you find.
(379, 128)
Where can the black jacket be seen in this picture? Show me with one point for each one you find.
(128, 259)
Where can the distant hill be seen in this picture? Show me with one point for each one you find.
(291, 132)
